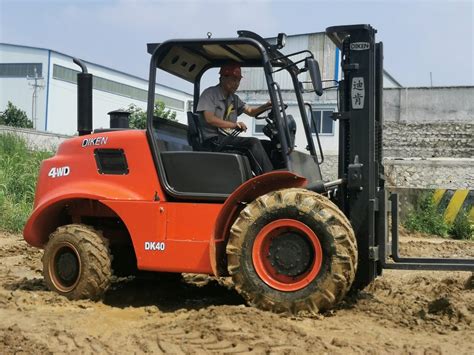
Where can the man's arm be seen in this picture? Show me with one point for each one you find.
(215, 121)
(255, 111)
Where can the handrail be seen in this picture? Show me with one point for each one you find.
(285, 120)
(317, 134)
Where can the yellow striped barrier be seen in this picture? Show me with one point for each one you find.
(452, 202)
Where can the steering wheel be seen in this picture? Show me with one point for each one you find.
(270, 120)
(269, 113)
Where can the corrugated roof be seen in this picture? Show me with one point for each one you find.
(95, 64)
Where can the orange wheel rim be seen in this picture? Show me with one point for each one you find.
(287, 255)
(65, 267)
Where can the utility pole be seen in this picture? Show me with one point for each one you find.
(431, 78)
(35, 86)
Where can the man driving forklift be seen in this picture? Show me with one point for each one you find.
(218, 109)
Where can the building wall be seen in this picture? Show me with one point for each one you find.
(418, 122)
(18, 90)
(429, 122)
(319, 44)
(446, 173)
(57, 100)
(429, 105)
(63, 97)
(429, 140)
(36, 140)
(423, 173)
(62, 115)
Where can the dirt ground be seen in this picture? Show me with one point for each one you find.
(402, 312)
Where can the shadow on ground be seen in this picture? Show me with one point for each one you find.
(170, 294)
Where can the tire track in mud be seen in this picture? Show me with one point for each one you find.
(217, 330)
(180, 341)
(415, 312)
(420, 301)
(13, 341)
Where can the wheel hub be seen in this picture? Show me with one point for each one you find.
(287, 255)
(290, 254)
(66, 268)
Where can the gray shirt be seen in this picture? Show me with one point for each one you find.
(213, 100)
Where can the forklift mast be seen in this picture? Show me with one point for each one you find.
(363, 198)
(360, 139)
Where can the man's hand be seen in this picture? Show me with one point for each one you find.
(241, 126)
(255, 111)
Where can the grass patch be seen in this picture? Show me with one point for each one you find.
(19, 167)
(462, 227)
(426, 218)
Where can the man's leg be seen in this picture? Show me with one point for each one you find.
(262, 163)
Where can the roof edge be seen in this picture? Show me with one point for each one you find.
(95, 64)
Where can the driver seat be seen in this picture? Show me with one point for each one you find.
(195, 137)
(195, 140)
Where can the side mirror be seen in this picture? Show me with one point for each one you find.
(313, 67)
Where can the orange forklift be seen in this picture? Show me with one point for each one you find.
(121, 201)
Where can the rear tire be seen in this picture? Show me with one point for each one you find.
(77, 262)
(292, 251)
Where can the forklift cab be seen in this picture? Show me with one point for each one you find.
(203, 174)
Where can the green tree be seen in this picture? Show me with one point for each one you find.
(15, 117)
(138, 116)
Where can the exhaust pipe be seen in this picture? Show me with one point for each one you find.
(119, 119)
(84, 99)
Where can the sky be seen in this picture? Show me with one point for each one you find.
(420, 37)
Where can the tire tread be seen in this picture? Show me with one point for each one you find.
(94, 249)
(343, 265)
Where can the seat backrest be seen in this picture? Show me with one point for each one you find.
(195, 139)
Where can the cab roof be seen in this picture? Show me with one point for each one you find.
(189, 58)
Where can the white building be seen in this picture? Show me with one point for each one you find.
(253, 88)
(50, 100)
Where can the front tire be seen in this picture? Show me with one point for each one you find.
(292, 251)
(77, 262)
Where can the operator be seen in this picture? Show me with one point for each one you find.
(218, 108)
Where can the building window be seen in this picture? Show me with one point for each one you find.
(20, 70)
(114, 87)
(258, 126)
(322, 122)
